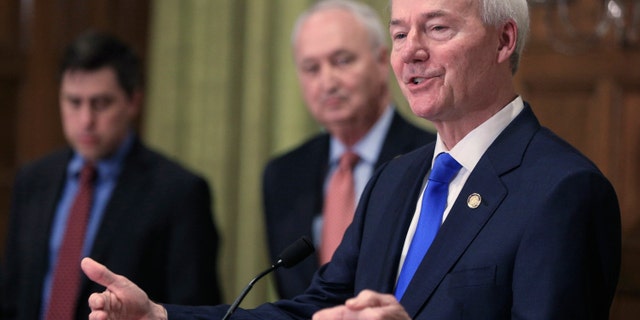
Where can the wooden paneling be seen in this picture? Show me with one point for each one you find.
(10, 62)
(628, 188)
(8, 24)
(592, 99)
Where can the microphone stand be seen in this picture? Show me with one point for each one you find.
(246, 289)
(292, 255)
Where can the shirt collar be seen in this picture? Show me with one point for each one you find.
(368, 148)
(470, 149)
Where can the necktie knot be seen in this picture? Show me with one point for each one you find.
(88, 173)
(444, 168)
(348, 160)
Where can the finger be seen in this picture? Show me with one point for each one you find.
(394, 312)
(99, 315)
(369, 299)
(97, 301)
(335, 313)
(98, 272)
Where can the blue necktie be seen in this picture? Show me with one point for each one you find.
(434, 202)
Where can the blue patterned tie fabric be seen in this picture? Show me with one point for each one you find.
(434, 202)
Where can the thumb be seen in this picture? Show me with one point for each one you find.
(122, 299)
(98, 273)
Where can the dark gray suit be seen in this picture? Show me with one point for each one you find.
(293, 194)
(157, 230)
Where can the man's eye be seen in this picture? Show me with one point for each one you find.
(75, 103)
(101, 103)
(399, 36)
(344, 60)
(310, 69)
(441, 32)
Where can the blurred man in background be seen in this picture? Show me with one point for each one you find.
(106, 196)
(342, 62)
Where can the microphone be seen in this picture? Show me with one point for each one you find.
(288, 258)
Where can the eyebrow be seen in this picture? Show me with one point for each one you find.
(425, 16)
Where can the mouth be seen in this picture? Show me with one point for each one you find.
(416, 80)
(332, 102)
(87, 139)
(332, 99)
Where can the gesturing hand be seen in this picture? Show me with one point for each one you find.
(367, 305)
(122, 298)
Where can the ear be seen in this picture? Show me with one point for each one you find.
(383, 55)
(383, 60)
(135, 104)
(507, 37)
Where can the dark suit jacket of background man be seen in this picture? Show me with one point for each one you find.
(293, 194)
(543, 204)
(157, 230)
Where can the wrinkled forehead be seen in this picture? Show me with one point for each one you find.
(408, 12)
(401, 4)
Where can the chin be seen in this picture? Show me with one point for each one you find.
(423, 111)
(426, 108)
(89, 154)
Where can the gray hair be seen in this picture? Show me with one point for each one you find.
(363, 13)
(497, 12)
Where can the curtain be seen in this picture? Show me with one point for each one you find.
(223, 98)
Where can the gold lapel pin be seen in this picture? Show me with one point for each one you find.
(474, 200)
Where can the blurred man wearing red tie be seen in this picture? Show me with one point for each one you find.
(342, 61)
(107, 196)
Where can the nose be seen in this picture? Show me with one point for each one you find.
(415, 48)
(87, 116)
(329, 78)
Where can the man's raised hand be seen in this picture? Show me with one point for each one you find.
(122, 299)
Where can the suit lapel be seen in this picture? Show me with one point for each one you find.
(464, 223)
(405, 206)
(458, 231)
(391, 204)
(313, 192)
(395, 142)
(46, 196)
(310, 196)
(50, 189)
(125, 196)
(38, 207)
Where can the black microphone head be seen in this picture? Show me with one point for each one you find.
(295, 252)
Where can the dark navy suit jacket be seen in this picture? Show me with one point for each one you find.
(157, 230)
(293, 194)
(543, 244)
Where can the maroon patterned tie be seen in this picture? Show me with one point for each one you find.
(67, 274)
(339, 205)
